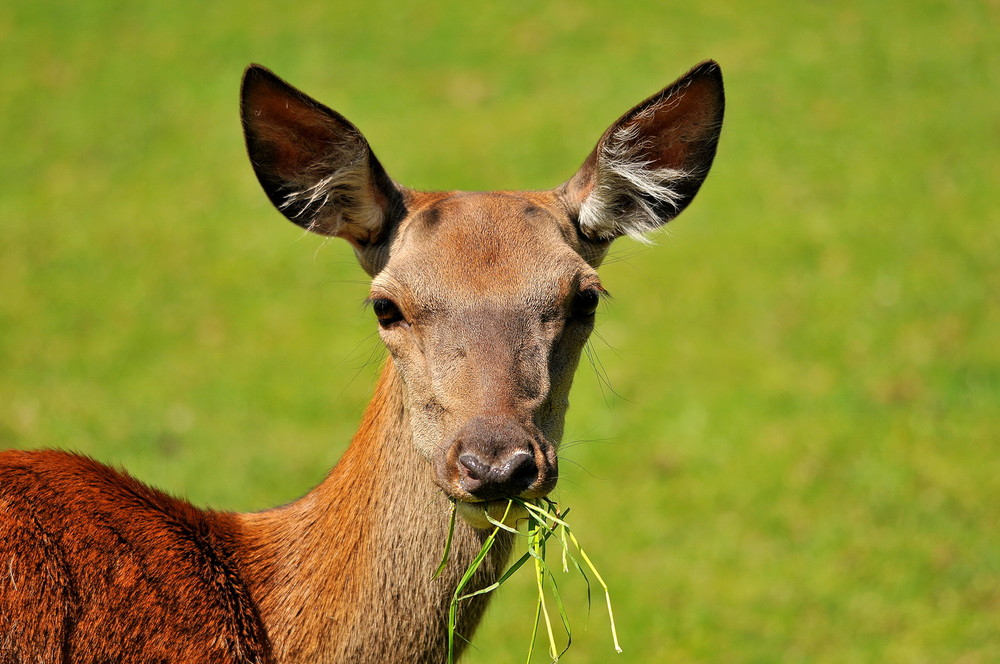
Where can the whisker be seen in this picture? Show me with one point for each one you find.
(579, 465)
(586, 441)
(376, 351)
(603, 381)
(624, 254)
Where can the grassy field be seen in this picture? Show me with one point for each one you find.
(789, 449)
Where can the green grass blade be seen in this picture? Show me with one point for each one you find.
(511, 570)
(545, 520)
(500, 524)
(540, 570)
(466, 577)
(533, 534)
(600, 580)
(447, 542)
(545, 514)
(534, 631)
(563, 616)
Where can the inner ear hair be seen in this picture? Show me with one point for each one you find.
(313, 164)
(649, 165)
(630, 195)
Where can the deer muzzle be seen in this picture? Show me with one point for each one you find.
(497, 458)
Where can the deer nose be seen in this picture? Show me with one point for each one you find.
(507, 479)
(494, 457)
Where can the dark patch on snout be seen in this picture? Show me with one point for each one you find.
(497, 458)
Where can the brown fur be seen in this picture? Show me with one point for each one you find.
(97, 567)
(344, 574)
(486, 301)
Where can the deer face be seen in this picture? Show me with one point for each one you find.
(485, 303)
(484, 300)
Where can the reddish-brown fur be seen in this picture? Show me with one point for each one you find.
(99, 567)
(484, 301)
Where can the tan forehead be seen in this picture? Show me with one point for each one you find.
(489, 219)
(485, 242)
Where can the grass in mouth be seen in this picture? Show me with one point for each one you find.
(544, 522)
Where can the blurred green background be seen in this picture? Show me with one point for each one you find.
(787, 451)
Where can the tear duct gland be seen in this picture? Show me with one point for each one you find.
(484, 300)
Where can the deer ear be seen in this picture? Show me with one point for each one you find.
(651, 162)
(314, 165)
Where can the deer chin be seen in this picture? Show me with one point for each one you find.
(475, 514)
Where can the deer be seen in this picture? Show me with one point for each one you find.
(484, 301)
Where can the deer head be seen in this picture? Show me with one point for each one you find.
(484, 300)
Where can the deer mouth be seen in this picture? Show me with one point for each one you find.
(487, 507)
(488, 513)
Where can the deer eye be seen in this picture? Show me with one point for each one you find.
(585, 303)
(386, 311)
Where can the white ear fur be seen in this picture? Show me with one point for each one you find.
(649, 165)
(629, 194)
(340, 201)
(314, 165)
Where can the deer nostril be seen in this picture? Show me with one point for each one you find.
(488, 482)
(476, 468)
(521, 472)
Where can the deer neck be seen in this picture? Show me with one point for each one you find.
(344, 573)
